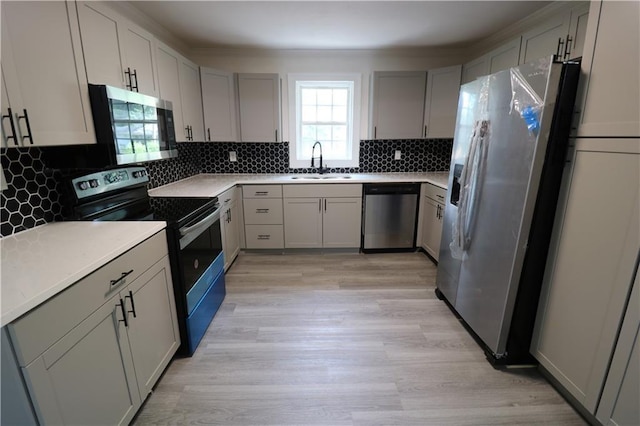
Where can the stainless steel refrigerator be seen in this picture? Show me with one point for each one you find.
(509, 152)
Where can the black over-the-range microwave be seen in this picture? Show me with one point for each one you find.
(130, 128)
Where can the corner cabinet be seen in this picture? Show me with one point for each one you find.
(116, 51)
(590, 267)
(219, 105)
(230, 223)
(44, 75)
(259, 106)
(397, 104)
(91, 354)
(322, 216)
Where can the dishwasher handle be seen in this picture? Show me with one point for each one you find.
(391, 188)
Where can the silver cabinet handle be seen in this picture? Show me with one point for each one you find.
(264, 237)
(262, 210)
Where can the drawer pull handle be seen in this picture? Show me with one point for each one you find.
(262, 210)
(122, 277)
(261, 192)
(133, 305)
(124, 313)
(440, 196)
(264, 237)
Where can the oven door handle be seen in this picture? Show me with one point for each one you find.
(190, 233)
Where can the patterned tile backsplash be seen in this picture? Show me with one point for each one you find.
(33, 194)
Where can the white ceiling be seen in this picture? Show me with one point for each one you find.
(334, 24)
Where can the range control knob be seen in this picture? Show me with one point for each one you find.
(83, 185)
(93, 183)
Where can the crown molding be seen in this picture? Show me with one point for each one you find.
(442, 52)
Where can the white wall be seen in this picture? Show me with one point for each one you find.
(364, 62)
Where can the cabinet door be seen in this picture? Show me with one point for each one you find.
(590, 267)
(579, 18)
(259, 98)
(230, 223)
(45, 74)
(504, 57)
(139, 47)
(544, 40)
(303, 222)
(441, 102)
(169, 83)
(219, 103)
(341, 222)
(619, 402)
(610, 105)
(153, 327)
(87, 376)
(474, 69)
(191, 99)
(100, 30)
(397, 105)
(431, 228)
(9, 134)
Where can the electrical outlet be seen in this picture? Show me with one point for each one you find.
(232, 156)
(398, 155)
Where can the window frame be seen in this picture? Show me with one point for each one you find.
(294, 110)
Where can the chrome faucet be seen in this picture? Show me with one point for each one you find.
(321, 170)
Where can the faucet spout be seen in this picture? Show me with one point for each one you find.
(313, 150)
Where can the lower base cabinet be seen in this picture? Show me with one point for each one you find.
(432, 213)
(103, 367)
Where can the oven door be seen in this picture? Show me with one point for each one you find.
(201, 259)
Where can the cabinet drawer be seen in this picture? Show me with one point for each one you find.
(263, 212)
(264, 236)
(322, 190)
(262, 191)
(228, 196)
(434, 192)
(37, 330)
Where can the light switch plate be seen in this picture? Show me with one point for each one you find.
(398, 155)
(232, 156)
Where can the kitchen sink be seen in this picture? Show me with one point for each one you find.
(302, 177)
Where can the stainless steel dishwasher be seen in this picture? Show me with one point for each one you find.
(390, 215)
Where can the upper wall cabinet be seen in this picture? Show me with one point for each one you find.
(503, 57)
(219, 104)
(609, 105)
(169, 84)
(117, 52)
(563, 35)
(191, 100)
(44, 75)
(441, 102)
(259, 99)
(397, 104)
(474, 69)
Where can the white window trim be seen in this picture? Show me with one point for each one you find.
(355, 134)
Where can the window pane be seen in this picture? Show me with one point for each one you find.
(309, 113)
(324, 114)
(340, 133)
(340, 96)
(325, 96)
(308, 96)
(308, 132)
(340, 114)
(324, 133)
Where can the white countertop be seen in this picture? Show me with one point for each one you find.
(212, 185)
(41, 262)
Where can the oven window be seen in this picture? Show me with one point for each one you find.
(198, 255)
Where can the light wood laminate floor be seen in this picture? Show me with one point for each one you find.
(348, 339)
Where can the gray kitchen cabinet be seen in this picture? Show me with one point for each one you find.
(474, 69)
(116, 51)
(169, 83)
(590, 266)
(441, 102)
(15, 404)
(259, 106)
(397, 104)
(44, 75)
(608, 104)
(219, 104)
(322, 216)
(432, 209)
(230, 223)
(562, 35)
(503, 57)
(191, 92)
(263, 217)
(621, 393)
(91, 354)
